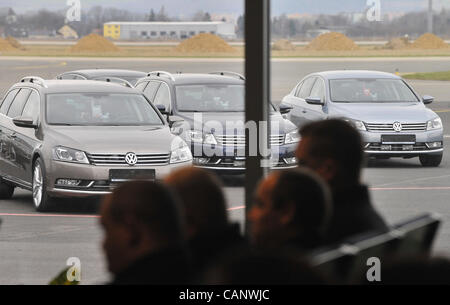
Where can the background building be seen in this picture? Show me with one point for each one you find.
(166, 30)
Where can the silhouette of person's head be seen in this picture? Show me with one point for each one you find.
(202, 198)
(262, 268)
(333, 149)
(290, 205)
(139, 218)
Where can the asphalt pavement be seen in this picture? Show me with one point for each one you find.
(34, 247)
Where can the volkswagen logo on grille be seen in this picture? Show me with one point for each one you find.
(131, 158)
(397, 126)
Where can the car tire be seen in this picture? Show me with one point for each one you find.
(6, 190)
(430, 160)
(41, 200)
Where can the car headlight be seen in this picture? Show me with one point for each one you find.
(434, 124)
(66, 154)
(200, 137)
(180, 154)
(357, 124)
(292, 137)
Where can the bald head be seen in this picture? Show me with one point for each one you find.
(202, 198)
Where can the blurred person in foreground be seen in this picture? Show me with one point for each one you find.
(333, 149)
(209, 231)
(291, 211)
(143, 235)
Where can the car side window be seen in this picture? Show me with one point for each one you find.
(71, 76)
(163, 96)
(7, 101)
(306, 87)
(150, 90)
(31, 108)
(19, 101)
(141, 86)
(318, 90)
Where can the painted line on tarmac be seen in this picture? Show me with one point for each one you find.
(431, 188)
(63, 63)
(77, 216)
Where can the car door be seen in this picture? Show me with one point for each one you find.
(5, 132)
(316, 112)
(26, 139)
(298, 103)
(15, 110)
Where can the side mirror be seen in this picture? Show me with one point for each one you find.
(284, 109)
(161, 108)
(26, 122)
(174, 119)
(427, 99)
(314, 101)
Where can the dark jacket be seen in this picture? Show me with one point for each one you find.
(353, 214)
(166, 267)
(207, 248)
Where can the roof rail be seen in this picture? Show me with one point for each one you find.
(35, 80)
(159, 73)
(228, 73)
(116, 80)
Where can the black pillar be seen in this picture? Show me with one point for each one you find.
(257, 89)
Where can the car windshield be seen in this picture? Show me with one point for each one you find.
(370, 91)
(95, 109)
(210, 98)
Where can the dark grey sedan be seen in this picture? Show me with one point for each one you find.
(392, 118)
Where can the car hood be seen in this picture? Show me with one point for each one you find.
(231, 122)
(113, 139)
(383, 112)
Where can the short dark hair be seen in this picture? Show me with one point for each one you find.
(310, 195)
(338, 140)
(149, 203)
(201, 195)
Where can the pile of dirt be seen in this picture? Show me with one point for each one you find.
(13, 42)
(94, 43)
(204, 43)
(6, 46)
(332, 41)
(429, 41)
(283, 45)
(397, 43)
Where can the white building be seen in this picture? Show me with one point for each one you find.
(166, 30)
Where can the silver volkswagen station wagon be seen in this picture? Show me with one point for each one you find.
(62, 138)
(392, 118)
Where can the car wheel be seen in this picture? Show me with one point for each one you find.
(41, 199)
(430, 160)
(6, 190)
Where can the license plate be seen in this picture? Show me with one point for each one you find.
(116, 175)
(397, 139)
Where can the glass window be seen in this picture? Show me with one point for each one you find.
(7, 101)
(31, 108)
(150, 90)
(318, 90)
(100, 109)
(306, 88)
(370, 90)
(162, 96)
(16, 107)
(210, 98)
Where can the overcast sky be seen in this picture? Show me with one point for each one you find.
(189, 7)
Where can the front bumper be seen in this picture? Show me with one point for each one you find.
(95, 179)
(228, 160)
(375, 147)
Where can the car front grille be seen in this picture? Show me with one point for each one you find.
(407, 127)
(239, 140)
(119, 159)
